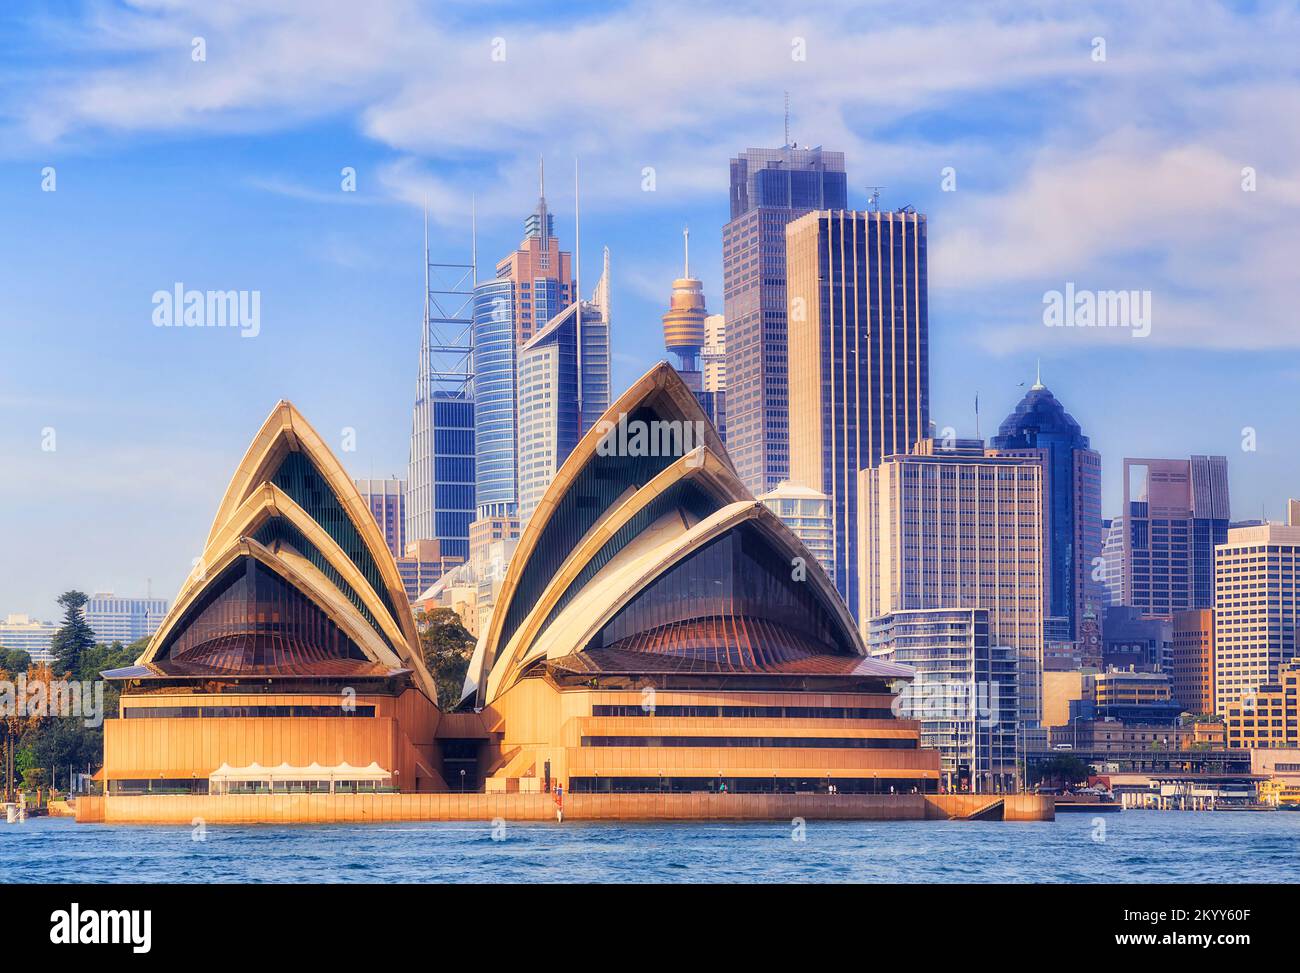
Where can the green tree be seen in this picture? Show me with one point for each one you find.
(75, 636)
(14, 660)
(447, 648)
(1061, 768)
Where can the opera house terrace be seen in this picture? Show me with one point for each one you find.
(662, 646)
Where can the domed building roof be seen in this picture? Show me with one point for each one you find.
(1038, 414)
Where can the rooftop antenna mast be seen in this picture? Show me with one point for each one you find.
(787, 118)
(874, 198)
(577, 281)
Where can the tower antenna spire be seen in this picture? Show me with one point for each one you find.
(1038, 379)
(577, 282)
(787, 118)
(686, 254)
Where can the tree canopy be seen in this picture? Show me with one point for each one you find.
(447, 648)
(75, 636)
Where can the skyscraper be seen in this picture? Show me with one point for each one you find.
(1175, 512)
(440, 477)
(950, 527)
(685, 335)
(1256, 607)
(1040, 426)
(564, 384)
(1191, 670)
(859, 357)
(769, 188)
(387, 501)
(533, 284)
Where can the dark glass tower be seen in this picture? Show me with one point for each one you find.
(769, 188)
(1072, 483)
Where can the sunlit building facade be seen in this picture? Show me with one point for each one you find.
(947, 526)
(291, 644)
(769, 188)
(1256, 608)
(649, 637)
(859, 380)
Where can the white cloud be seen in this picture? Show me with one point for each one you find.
(1070, 169)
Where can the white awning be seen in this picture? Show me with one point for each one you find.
(256, 772)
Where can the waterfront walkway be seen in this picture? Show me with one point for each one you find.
(362, 808)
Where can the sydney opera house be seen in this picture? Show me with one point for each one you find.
(658, 630)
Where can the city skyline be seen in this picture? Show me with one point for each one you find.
(249, 198)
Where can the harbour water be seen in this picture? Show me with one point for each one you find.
(1136, 846)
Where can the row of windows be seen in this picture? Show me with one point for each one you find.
(239, 712)
(751, 712)
(823, 743)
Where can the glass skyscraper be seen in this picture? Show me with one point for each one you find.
(440, 473)
(769, 188)
(564, 389)
(1040, 426)
(533, 285)
(495, 419)
(1175, 512)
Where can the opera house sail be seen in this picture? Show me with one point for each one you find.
(659, 629)
(291, 645)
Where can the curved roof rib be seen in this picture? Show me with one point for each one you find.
(587, 488)
(624, 578)
(285, 431)
(357, 587)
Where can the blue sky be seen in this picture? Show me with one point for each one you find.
(1123, 173)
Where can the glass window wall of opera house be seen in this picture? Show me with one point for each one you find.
(657, 630)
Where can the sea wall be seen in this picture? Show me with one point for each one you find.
(375, 808)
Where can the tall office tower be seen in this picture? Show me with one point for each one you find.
(533, 284)
(964, 693)
(387, 501)
(26, 634)
(564, 381)
(1112, 560)
(440, 475)
(685, 336)
(808, 514)
(713, 356)
(1175, 512)
(124, 620)
(713, 365)
(1256, 607)
(951, 527)
(542, 273)
(769, 188)
(1039, 425)
(1191, 670)
(859, 357)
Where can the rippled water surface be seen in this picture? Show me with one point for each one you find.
(1135, 846)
